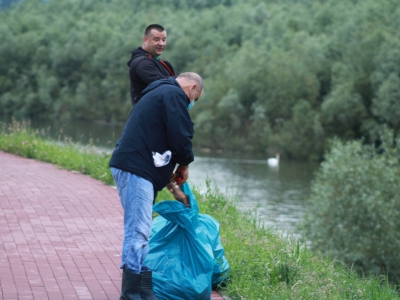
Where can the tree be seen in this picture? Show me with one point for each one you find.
(354, 205)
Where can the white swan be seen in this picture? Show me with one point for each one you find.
(273, 162)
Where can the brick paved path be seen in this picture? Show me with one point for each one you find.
(60, 233)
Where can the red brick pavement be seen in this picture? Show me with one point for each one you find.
(60, 233)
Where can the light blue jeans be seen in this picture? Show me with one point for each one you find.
(136, 195)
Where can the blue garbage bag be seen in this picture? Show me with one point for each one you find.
(222, 270)
(185, 255)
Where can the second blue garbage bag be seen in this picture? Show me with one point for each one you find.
(186, 255)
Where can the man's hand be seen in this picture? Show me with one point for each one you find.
(177, 193)
(183, 172)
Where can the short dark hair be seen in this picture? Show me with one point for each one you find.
(151, 27)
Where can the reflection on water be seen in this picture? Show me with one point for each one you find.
(277, 194)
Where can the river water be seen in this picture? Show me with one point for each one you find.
(275, 194)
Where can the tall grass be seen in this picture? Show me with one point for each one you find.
(264, 264)
(18, 138)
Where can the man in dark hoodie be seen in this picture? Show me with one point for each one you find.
(156, 138)
(145, 65)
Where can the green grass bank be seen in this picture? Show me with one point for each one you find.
(264, 264)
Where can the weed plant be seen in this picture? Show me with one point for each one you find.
(264, 264)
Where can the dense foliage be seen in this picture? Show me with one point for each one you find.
(355, 203)
(281, 75)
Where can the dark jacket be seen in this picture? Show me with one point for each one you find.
(159, 122)
(145, 69)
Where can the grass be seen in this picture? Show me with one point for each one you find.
(264, 264)
(19, 139)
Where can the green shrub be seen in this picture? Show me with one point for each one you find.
(354, 207)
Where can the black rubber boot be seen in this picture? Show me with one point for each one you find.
(130, 288)
(146, 287)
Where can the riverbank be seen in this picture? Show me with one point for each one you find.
(277, 194)
(264, 264)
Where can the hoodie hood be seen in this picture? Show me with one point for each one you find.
(168, 81)
(136, 53)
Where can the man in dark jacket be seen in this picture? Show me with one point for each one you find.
(156, 138)
(145, 65)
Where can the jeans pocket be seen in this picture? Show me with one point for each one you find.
(120, 177)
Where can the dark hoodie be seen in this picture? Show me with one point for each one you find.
(145, 69)
(159, 122)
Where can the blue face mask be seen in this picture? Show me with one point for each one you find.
(191, 104)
